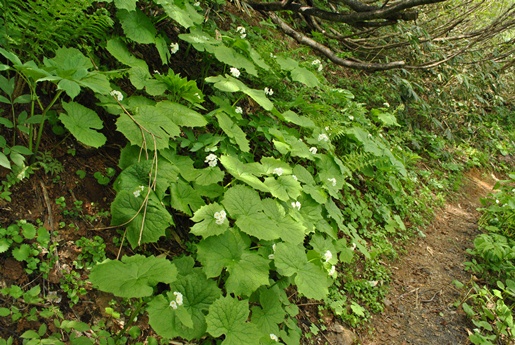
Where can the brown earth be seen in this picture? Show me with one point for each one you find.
(420, 305)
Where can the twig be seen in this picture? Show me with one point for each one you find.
(48, 206)
(432, 298)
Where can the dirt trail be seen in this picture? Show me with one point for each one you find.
(419, 308)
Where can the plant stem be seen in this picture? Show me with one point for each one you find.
(129, 323)
(40, 131)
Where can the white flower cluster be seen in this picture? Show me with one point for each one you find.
(313, 150)
(138, 191)
(235, 72)
(220, 217)
(318, 64)
(332, 271)
(296, 205)
(328, 256)
(323, 137)
(178, 300)
(332, 180)
(274, 337)
(272, 256)
(268, 91)
(241, 30)
(174, 48)
(211, 160)
(238, 110)
(117, 94)
(278, 171)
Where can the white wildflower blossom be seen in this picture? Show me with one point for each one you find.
(496, 201)
(351, 117)
(323, 137)
(274, 337)
(278, 171)
(197, 95)
(373, 283)
(294, 177)
(326, 128)
(220, 217)
(173, 304)
(332, 271)
(328, 256)
(117, 94)
(313, 150)
(273, 247)
(271, 257)
(174, 48)
(138, 191)
(178, 297)
(211, 160)
(386, 104)
(320, 68)
(296, 205)
(273, 56)
(196, 4)
(332, 180)
(157, 72)
(238, 110)
(268, 91)
(353, 246)
(241, 30)
(235, 72)
(316, 62)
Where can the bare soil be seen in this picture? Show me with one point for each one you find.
(420, 306)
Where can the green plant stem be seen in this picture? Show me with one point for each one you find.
(129, 323)
(40, 131)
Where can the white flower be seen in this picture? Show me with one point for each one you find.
(296, 205)
(316, 62)
(273, 56)
(313, 150)
(138, 191)
(173, 304)
(268, 91)
(332, 271)
(235, 72)
(241, 30)
(323, 137)
(274, 337)
(196, 4)
(373, 283)
(326, 128)
(332, 180)
(197, 95)
(278, 171)
(220, 217)
(174, 48)
(320, 68)
(353, 246)
(211, 160)
(328, 256)
(117, 94)
(496, 201)
(157, 72)
(386, 104)
(351, 117)
(271, 256)
(238, 110)
(295, 177)
(178, 297)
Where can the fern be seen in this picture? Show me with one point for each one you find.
(359, 160)
(47, 25)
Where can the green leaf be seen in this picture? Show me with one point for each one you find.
(244, 204)
(209, 176)
(148, 128)
(232, 58)
(129, 5)
(134, 276)
(271, 313)
(4, 161)
(71, 87)
(302, 121)
(119, 50)
(206, 223)
(137, 26)
(298, 73)
(243, 172)
(96, 82)
(4, 245)
(284, 187)
(182, 115)
(69, 62)
(182, 12)
(230, 84)
(21, 253)
(145, 223)
(247, 270)
(311, 280)
(233, 131)
(82, 122)
(185, 198)
(290, 230)
(227, 316)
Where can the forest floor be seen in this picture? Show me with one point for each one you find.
(419, 307)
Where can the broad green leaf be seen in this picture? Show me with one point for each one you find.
(144, 223)
(185, 198)
(206, 222)
(137, 26)
(96, 82)
(4, 244)
(311, 280)
(148, 128)
(82, 122)
(209, 176)
(304, 76)
(69, 62)
(247, 270)
(302, 121)
(232, 58)
(233, 131)
(230, 84)
(200, 39)
(182, 12)
(243, 172)
(284, 187)
(198, 294)
(133, 276)
(22, 252)
(271, 313)
(182, 115)
(10, 56)
(71, 87)
(244, 204)
(289, 229)
(129, 5)
(228, 316)
(119, 50)
(163, 49)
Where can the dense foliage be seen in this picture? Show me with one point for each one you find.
(279, 184)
